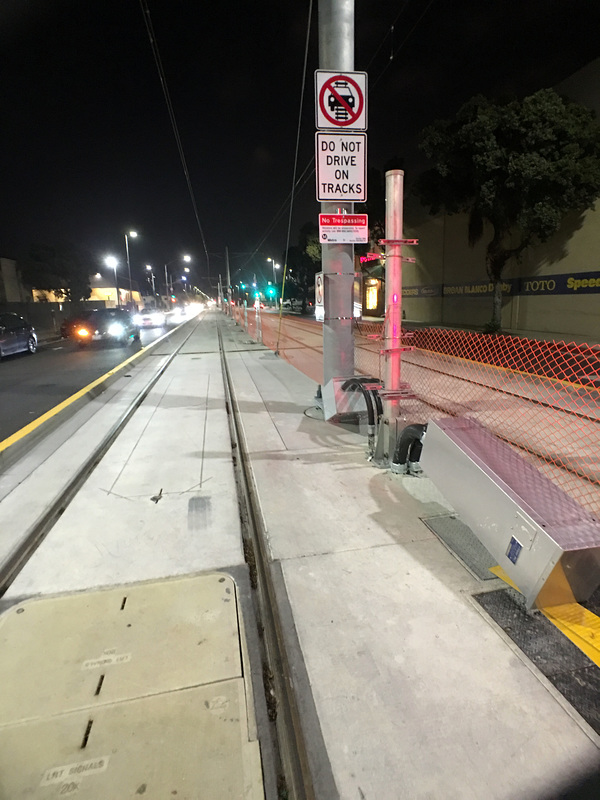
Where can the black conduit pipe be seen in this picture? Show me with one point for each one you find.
(409, 446)
(352, 385)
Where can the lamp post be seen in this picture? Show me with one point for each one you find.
(152, 279)
(185, 258)
(275, 266)
(112, 262)
(133, 235)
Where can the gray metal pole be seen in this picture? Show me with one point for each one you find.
(394, 201)
(128, 269)
(228, 281)
(336, 52)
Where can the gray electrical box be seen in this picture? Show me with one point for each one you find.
(546, 542)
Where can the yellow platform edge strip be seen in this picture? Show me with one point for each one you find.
(580, 626)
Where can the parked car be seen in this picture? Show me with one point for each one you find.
(112, 325)
(16, 335)
(150, 318)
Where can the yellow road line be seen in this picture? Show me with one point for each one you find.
(32, 426)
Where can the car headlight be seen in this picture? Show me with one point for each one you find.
(137, 320)
(157, 319)
(116, 329)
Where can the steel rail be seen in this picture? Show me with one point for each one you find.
(296, 778)
(36, 534)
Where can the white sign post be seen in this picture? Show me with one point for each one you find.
(341, 160)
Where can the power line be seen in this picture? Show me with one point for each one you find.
(165, 88)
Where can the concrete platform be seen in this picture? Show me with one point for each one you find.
(407, 689)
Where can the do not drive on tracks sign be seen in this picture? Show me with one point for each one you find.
(341, 100)
(341, 167)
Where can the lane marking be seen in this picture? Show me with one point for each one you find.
(36, 423)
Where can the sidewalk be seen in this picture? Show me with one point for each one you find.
(406, 688)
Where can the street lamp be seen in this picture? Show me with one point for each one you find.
(275, 266)
(112, 262)
(185, 258)
(133, 235)
(152, 279)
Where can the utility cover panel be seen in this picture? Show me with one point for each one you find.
(186, 745)
(83, 650)
(142, 689)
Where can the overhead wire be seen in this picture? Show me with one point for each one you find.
(287, 241)
(174, 126)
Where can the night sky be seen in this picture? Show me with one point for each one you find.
(86, 145)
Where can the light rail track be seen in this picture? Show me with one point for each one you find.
(14, 562)
(295, 779)
(286, 737)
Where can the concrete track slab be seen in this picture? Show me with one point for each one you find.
(161, 502)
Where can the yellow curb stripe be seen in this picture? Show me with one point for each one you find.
(32, 426)
(579, 625)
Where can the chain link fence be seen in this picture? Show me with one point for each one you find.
(543, 397)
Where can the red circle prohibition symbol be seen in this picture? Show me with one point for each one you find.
(341, 104)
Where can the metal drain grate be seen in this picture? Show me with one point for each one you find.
(462, 543)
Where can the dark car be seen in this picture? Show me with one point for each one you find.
(112, 325)
(70, 325)
(16, 335)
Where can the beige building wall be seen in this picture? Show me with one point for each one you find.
(11, 289)
(444, 258)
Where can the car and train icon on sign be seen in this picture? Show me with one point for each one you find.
(342, 101)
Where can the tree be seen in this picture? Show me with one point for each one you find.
(518, 165)
(303, 261)
(62, 268)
